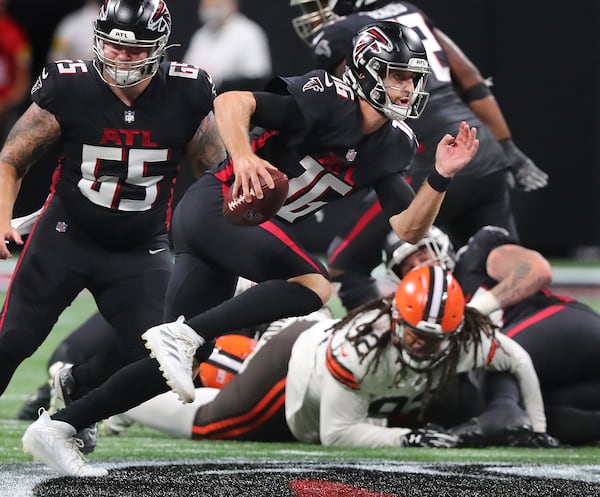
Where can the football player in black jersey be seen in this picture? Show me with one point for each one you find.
(507, 281)
(331, 137)
(125, 122)
(479, 195)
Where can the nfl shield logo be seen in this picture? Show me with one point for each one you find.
(129, 116)
(61, 226)
(350, 155)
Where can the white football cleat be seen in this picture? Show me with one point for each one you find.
(54, 443)
(173, 345)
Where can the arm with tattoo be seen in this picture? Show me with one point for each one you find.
(31, 135)
(520, 273)
(206, 149)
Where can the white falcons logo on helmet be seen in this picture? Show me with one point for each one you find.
(371, 39)
(160, 19)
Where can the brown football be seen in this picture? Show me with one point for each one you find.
(238, 211)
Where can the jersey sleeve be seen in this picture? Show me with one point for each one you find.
(489, 237)
(471, 266)
(507, 355)
(200, 94)
(320, 96)
(52, 85)
(344, 419)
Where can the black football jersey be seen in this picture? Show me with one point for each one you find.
(471, 273)
(445, 108)
(333, 159)
(118, 163)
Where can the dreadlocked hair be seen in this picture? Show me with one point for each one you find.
(357, 337)
(468, 336)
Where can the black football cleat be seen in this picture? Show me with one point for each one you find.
(30, 408)
(470, 433)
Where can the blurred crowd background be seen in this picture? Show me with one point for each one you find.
(541, 56)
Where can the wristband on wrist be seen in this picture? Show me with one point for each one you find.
(438, 182)
(486, 303)
(477, 92)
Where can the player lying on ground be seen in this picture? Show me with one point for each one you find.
(336, 381)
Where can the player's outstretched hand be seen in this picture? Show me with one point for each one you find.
(454, 153)
(524, 174)
(428, 437)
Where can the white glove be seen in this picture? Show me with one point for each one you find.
(524, 174)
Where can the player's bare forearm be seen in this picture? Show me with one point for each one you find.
(412, 224)
(233, 110)
(206, 149)
(520, 273)
(488, 110)
(29, 138)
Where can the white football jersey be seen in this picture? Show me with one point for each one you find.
(333, 397)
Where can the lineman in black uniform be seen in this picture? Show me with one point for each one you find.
(331, 138)
(508, 282)
(125, 122)
(480, 194)
(562, 335)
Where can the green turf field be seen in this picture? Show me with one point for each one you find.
(141, 443)
(145, 463)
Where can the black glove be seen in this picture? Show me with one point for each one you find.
(524, 174)
(427, 437)
(542, 441)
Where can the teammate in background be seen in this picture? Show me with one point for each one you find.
(479, 195)
(335, 382)
(508, 282)
(73, 37)
(233, 49)
(319, 131)
(15, 67)
(104, 226)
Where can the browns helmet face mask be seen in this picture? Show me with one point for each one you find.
(428, 309)
(383, 54)
(138, 26)
(435, 248)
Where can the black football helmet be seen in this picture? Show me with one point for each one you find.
(314, 14)
(395, 252)
(140, 24)
(379, 49)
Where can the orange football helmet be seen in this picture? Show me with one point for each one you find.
(226, 360)
(429, 305)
